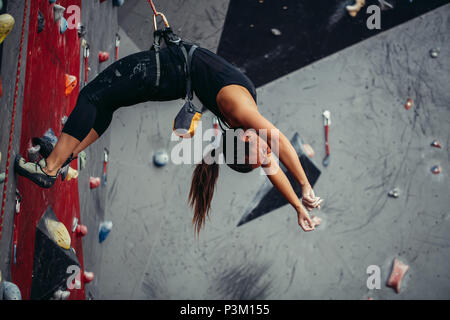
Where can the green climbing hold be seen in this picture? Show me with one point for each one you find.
(82, 157)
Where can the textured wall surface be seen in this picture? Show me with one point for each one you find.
(101, 24)
(196, 21)
(376, 145)
(10, 56)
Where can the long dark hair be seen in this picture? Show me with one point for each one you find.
(204, 179)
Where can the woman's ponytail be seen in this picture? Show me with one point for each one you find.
(203, 184)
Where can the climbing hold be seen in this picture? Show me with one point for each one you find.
(385, 5)
(46, 147)
(2, 177)
(104, 230)
(58, 12)
(118, 3)
(81, 29)
(394, 193)
(59, 233)
(276, 32)
(88, 276)
(74, 224)
(81, 230)
(64, 120)
(33, 153)
(436, 144)
(61, 295)
(105, 166)
(161, 158)
(436, 169)
(434, 53)
(409, 103)
(103, 56)
(51, 1)
(41, 22)
(354, 9)
(82, 160)
(63, 25)
(71, 83)
(94, 182)
(6, 25)
(398, 271)
(49, 136)
(11, 291)
(71, 174)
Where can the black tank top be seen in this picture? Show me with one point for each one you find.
(209, 74)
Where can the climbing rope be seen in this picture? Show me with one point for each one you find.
(153, 7)
(5, 186)
(155, 14)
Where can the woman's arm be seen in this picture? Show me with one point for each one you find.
(250, 118)
(281, 182)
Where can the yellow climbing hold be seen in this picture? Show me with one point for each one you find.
(6, 25)
(59, 233)
(72, 174)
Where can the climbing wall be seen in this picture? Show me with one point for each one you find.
(50, 56)
(376, 145)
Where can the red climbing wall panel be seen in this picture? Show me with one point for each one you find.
(50, 56)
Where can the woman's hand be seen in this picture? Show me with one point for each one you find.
(309, 199)
(304, 220)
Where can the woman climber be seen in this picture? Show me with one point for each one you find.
(161, 74)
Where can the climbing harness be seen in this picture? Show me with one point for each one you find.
(11, 133)
(187, 119)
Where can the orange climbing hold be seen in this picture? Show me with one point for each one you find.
(398, 271)
(409, 103)
(71, 83)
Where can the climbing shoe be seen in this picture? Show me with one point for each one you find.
(34, 172)
(6, 25)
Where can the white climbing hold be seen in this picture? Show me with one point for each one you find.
(58, 12)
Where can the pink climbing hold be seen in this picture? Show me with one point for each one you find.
(94, 182)
(398, 271)
(103, 56)
(88, 276)
(81, 230)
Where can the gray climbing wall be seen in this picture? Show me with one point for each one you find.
(376, 145)
(9, 62)
(100, 20)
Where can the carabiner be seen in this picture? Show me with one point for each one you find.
(166, 23)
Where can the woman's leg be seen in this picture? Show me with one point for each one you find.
(91, 138)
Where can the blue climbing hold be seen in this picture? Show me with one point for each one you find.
(49, 136)
(51, 1)
(118, 3)
(160, 158)
(11, 291)
(63, 25)
(104, 230)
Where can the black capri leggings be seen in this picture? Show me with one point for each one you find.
(126, 82)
